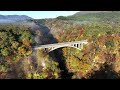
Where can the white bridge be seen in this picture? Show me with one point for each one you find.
(75, 44)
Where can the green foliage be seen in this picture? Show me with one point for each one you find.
(15, 44)
(61, 18)
(5, 52)
(12, 38)
(3, 68)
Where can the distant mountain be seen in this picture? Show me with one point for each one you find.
(13, 18)
(96, 16)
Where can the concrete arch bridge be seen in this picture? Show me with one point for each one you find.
(50, 47)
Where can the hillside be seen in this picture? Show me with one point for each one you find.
(96, 16)
(88, 12)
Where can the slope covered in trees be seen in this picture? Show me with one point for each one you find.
(99, 58)
(17, 57)
(102, 37)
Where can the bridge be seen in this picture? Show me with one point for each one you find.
(50, 47)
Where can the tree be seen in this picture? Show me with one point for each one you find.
(62, 18)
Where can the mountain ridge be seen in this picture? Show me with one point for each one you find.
(88, 12)
(95, 16)
(13, 18)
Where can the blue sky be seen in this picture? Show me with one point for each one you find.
(39, 14)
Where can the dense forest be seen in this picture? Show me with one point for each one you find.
(99, 59)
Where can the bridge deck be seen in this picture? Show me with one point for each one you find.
(63, 44)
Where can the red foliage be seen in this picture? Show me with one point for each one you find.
(80, 74)
(81, 30)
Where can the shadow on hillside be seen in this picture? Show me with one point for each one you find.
(57, 54)
(106, 72)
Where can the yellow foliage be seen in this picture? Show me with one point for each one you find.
(104, 46)
(96, 58)
(26, 42)
(75, 66)
(29, 62)
(56, 74)
(31, 67)
(29, 76)
(99, 35)
(36, 75)
(21, 51)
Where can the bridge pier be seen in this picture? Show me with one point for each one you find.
(78, 46)
(74, 45)
(82, 46)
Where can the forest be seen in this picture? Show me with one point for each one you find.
(99, 59)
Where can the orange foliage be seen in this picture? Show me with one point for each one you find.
(26, 42)
(22, 51)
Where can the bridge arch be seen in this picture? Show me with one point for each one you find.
(63, 47)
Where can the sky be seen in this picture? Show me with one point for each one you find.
(39, 14)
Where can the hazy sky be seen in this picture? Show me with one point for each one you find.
(39, 14)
